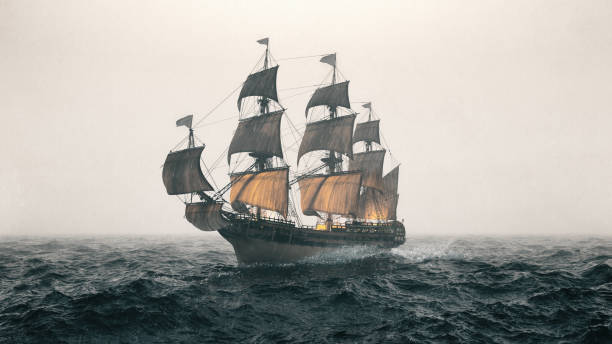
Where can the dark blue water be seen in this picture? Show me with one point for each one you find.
(190, 289)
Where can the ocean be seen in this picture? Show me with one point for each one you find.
(190, 289)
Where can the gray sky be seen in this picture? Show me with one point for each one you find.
(499, 111)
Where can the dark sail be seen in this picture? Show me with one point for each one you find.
(182, 173)
(260, 84)
(392, 206)
(336, 193)
(390, 181)
(240, 207)
(371, 166)
(258, 134)
(333, 95)
(267, 189)
(367, 131)
(205, 216)
(330, 134)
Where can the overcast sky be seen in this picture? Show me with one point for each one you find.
(498, 111)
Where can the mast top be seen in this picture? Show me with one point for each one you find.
(368, 106)
(266, 42)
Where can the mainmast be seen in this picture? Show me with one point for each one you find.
(262, 160)
(335, 192)
(332, 160)
(260, 186)
(263, 101)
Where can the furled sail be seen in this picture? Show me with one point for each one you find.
(371, 165)
(267, 189)
(205, 216)
(331, 134)
(336, 193)
(260, 84)
(182, 173)
(240, 207)
(258, 134)
(332, 95)
(366, 131)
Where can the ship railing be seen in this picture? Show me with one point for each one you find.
(352, 227)
(250, 217)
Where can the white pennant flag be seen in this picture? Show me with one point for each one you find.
(329, 59)
(186, 121)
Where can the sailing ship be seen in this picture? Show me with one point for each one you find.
(345, 191)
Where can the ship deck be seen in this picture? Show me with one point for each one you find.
(390, 233)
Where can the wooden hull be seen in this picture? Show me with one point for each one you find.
(269, 241)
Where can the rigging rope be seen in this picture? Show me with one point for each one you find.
(385, 143)
(207, 170)
(179, 144)
(216, 122)
(217, 106)
(299, 57)
(295, 88)
(214, 165)
(297, 94)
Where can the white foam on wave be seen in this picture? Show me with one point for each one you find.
(415, 251)
(419, 251)
(344, 254)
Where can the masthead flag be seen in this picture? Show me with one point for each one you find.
(367, 105)
(263, 41)
(329, 59)
(186, 121)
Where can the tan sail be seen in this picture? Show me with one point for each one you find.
(377, 205)
(260, 84)
(258, 134)
(267, 189)
(336, 193)
(367, 131)
(331, 134)
(371, 166)
(373, 205)
(205, 216)
(182, 173)
(332, 95)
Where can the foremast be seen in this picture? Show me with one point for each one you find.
(332, 160)
(182, 175)
(262, 160)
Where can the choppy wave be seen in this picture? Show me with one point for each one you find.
(156, 290)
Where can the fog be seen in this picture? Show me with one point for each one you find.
(499, 112)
